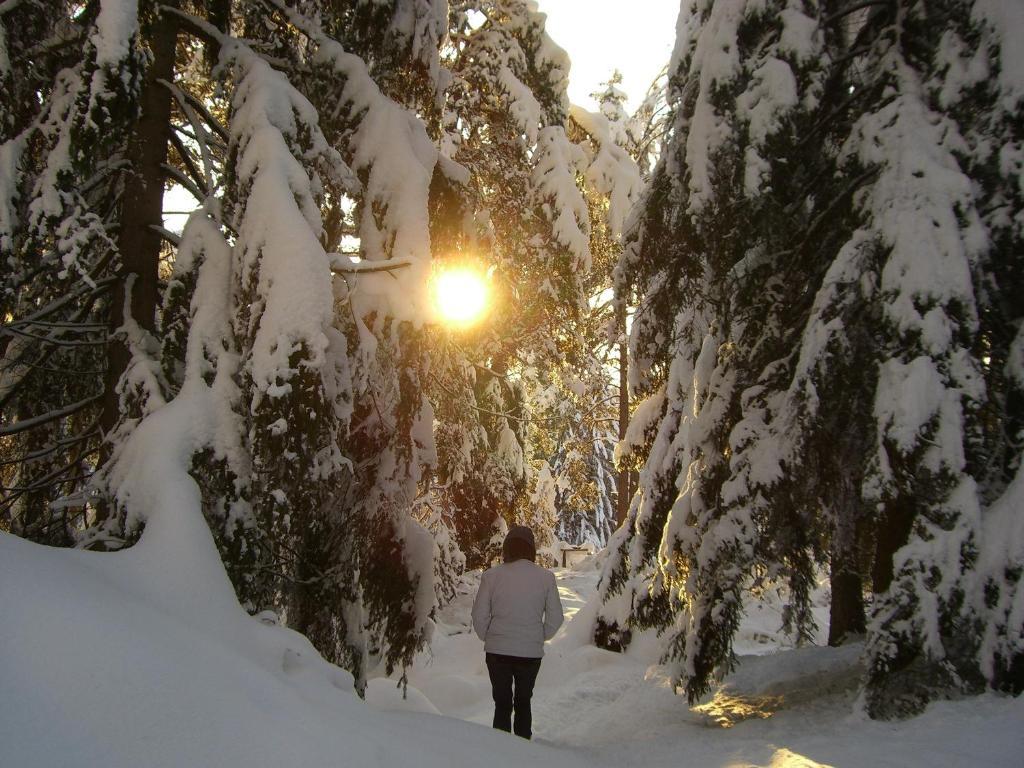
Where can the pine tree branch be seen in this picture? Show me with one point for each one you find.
(189, 101)
(195, 111)
(86, 291)
(850, 189)
(184, 181)
(102, 173)
(44, 482)
(12, 331)
(166, 234)
(89, 293)
(85, 435)
(212, 140)
(67, 326)
(50, 416)
(7, 365)
(476, 407)
(190, 166)
(198, 27)
(57, 42)
(848, 102)
(853, 9)
(342, 265)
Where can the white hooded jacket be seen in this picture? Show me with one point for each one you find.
(516, 609)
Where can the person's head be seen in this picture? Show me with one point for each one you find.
(519, 545)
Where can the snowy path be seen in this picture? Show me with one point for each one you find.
(792, 709)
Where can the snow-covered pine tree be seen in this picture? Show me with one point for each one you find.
(932, 250)
(995, 136)
(399, 42)
(390, 60)
(481, 434)
(585, 497)
(710, 264)
(649, 126)
(638, 138)
(903, 327)
(197, 316)
(612, 185)
(855, 410)
(504, 121)
(449, 560)
(321, 429)
(507, 111)
(67, 124)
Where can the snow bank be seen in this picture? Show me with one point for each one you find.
(111, 660)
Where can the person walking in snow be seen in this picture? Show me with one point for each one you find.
(516, 609)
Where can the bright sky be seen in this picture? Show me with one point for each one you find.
(635, 36)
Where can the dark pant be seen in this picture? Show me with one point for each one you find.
(506, 673)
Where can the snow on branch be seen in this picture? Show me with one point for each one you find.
(611, 171)
(554, 181)
(278, 219)
(395, 159)
(116, 26)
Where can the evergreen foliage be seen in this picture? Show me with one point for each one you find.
(73, 85)
(355, 450)
(505, 121)
(813, 269)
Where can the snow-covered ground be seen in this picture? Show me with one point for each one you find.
(104, 663)
(783, 708)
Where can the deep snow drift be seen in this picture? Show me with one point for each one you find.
(108, 661)
(100, 667)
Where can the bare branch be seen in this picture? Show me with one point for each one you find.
(166, 234)
(184, 98)
(51, 339)
(45, 418)
(90, 432)
(186, 158)
(184, 181)
(83, 291)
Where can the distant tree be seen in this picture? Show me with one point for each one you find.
(616, 184)
(504, 122)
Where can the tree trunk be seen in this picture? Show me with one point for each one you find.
(891, 533)
(622, 489)
(846, 610)
(846, 613)
(141, 211)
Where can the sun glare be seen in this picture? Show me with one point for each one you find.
(460, 295)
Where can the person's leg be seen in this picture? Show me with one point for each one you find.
(525, 676)
(500, 672)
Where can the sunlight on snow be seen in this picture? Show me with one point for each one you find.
(571, 601)
(725, 711)
(783, 758)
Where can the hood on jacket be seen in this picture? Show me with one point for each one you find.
(519, 544)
